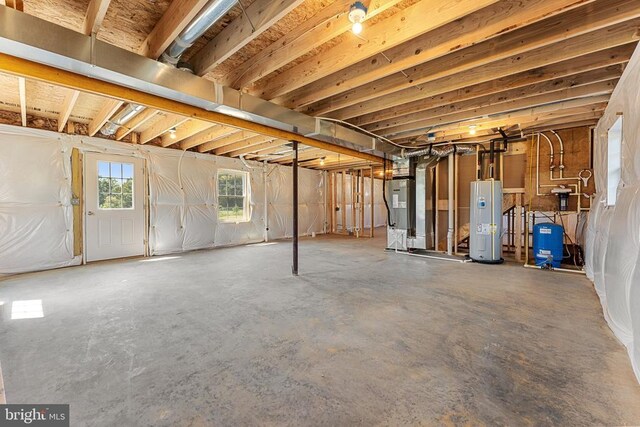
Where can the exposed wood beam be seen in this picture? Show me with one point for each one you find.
(249, 142)
(95, 15)
(108, 109)
(177, 16)
(451, 102)
(70, 98)
(573, 48)
(399, 28)
(306, 155)
(14, 4)
(213, 133)
(328, 23)
(260, 15)
(566, 125)
(490, 109)
(22, 89)
(33, 70)
(537, 114)
(613, 58)
(184, 131)
(225, 140)
(161, 126)
(135, 123)
(276, 144)
(521, 48)
(467, 31)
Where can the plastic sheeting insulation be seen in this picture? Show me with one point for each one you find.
(613, 232)
(36, 216)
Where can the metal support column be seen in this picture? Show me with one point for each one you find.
(294, 267)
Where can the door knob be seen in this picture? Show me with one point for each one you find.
(90, 213)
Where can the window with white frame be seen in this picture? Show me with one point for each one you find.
(614, 160)
(233, 205)
(115, 185)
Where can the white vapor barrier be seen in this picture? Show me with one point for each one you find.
(613, 232)
(311, 201)
(36, 216)
(379, 210)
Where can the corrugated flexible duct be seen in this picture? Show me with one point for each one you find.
(443, 151)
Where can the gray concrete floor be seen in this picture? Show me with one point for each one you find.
(229, 337)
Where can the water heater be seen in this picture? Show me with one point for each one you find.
(485, 222)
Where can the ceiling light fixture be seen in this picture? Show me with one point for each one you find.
(172, 133)
(357, 13)
(472, 129)
(322, 161)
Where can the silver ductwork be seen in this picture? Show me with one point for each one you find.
(443, 151)
(34, 39)
(126, 114)
(209, 15)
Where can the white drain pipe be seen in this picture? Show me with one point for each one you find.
(451, 219)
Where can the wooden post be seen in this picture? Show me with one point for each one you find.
(76, 190)
(361, 202)
(518, 227)
(343, 203)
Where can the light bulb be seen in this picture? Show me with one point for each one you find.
(321, 162)
(472, 130)
(172, 135)
(356, 28)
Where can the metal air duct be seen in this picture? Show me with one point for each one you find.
(209, 15)
(126, 114)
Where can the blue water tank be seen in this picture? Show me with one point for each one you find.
(548, 244)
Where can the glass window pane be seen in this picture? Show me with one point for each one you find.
(103, 169)
(127, 186)
(127, 201)
(116, 186)
(127, 170)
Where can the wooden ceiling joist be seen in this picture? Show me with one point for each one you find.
(469, 30)
(245, 143)
(569, 49)
(451, 103)
(184, 131)
(135, 123)
(271, 146)
(108, 109)
(399, 28)
(328, 23)
(22, 89)
(161, 126)
(213, 133)
(177, 16)
(70, 98)
(614, 58)
(514, 104)
(260, 15)
(239, 135)
(95, 15)
(529, 43)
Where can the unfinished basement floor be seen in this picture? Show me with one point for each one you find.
(229, 337)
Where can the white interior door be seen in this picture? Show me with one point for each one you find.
(114, 206)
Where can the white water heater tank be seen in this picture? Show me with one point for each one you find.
(485, 222)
